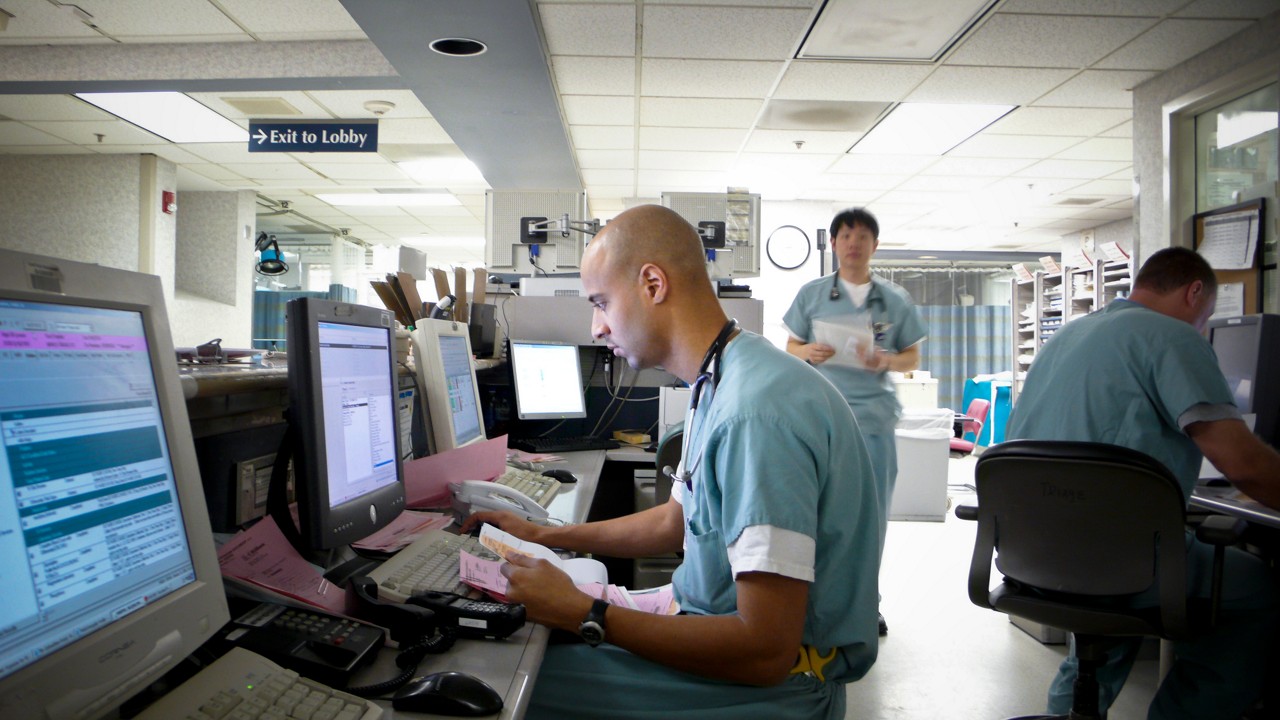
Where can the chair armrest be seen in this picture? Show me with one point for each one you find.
(967, 512)
(1218, 529)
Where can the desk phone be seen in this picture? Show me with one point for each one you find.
(323, 647)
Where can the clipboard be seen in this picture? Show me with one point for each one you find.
(389, 299)
(409, 288)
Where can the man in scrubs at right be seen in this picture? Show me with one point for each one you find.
(1140, 374)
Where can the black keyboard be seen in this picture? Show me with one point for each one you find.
(562, 444)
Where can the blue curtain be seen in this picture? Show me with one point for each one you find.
(964, 342)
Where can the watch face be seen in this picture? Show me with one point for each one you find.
(591, 632)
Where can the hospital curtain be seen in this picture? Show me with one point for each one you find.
(964, 342)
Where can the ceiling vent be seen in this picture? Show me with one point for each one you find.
(821, 115)
(262, 106)
(912, 31)
(1077, 201)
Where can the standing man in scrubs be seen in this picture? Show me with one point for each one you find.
(1139, 374)
(774, 509)
(853, 297)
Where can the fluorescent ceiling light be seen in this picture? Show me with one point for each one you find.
(171, 115)
(384, 199)
(443, 171)
(927, 128)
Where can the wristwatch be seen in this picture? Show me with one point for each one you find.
(592, 628)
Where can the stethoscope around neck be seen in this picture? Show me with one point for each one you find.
(873, 295)
(707, 373)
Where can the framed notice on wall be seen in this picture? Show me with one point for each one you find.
(1228, 239)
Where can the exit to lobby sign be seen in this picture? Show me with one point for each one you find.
(314, 136)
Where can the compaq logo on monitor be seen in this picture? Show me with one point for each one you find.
(373, 514)
(114, 653)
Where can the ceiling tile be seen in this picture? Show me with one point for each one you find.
(349, 171)
(814, 141)
(1228, 9)
(1120, 149)
(349, 104)
(705, 32)
(420, 131)
(1046, 40)
(50, 107)
(273, 171)
(991, 145)
(1097, 88)
(608, 30)
(1125, 174)
(1084, 169)
(213, 172)
(945, 183)
(1007, 86)
(1124, 130)
(602, 137)
(594, 177)
(708, 78)
(681, 178)
(189, 18)
(598, 110)
(696, 161)
(113, 132)
(692, 139)
(14, 133)
(579, 75)
(859, 181)
(280, 19)
(734, 3)
(825, 80)
(607, 159)
(1105, 188)
(696, 112)
(228, 152)
(988, 167)
(828, 115)
(44, 21)
(1138, 8)
(883, 164)
(1078, 122)
(1171, 42)
(173, 153)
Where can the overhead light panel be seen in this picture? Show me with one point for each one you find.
(927, 128)
(171, 115)
(390, 199)
(444, 170)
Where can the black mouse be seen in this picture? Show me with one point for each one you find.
(448, 693)
(561, 474)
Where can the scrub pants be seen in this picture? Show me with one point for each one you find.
(579, 681)
(884, 463)
(1216, 675)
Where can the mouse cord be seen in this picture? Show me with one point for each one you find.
(438, 642)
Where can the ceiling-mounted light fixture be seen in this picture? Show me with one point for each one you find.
(458, 47)
(379, 107)
(270, 259)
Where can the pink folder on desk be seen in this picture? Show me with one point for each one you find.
(426, 480)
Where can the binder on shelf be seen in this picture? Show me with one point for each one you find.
(1114, 253)
(1050, 265)
(1022, 273)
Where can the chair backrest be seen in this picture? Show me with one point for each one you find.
(1080, 518)
(668, 455)
(978, 408)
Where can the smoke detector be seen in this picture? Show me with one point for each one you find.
(379, 107)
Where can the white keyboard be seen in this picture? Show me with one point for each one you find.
(540, 488)
(243, 685)
(427, 564)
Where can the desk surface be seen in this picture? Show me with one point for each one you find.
(510, 665)
(1229, 501)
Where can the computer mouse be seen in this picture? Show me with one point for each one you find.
(448, 693)
(561, 474)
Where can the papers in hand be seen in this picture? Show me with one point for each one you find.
(589, 575)
(850, 339)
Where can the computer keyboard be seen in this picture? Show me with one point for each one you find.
(563, 444)
(427, 564)
(538, 487)
(243, 685)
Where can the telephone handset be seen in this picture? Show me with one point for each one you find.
(472, 496)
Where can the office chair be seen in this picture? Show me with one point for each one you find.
(971, 422)
(1076, 527)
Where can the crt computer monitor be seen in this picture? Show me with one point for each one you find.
(1247, 348)
(548, 380)
(442, 353)
(342, 404)
(108, 562)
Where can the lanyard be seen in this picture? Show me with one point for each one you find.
(706, 374)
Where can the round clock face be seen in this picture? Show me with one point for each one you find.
(787, 247)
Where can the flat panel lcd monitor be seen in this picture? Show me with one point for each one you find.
(548, 380)
(1247, 348)
(343, 404)
(109, 568)
(442, 352)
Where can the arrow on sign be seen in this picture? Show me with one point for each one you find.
(261, 136)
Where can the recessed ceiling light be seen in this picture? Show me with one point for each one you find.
(927, 128)
(458, 47)
(393, 199)
(171, 115)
